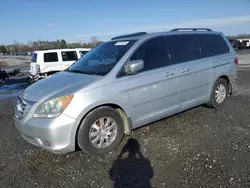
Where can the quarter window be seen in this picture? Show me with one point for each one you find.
(82, 53)
(184, 48)
(154, 54)
(214, 44)
(50, 57)
(69, 56)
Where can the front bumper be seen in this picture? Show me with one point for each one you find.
(56, 135)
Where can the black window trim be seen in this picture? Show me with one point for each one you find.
(201, 47)
(207, 56)
(50, 61)
(128, 59)
(80, 51)
(69, 51)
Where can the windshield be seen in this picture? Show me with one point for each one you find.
(101, 59)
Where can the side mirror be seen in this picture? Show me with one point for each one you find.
(133, 67)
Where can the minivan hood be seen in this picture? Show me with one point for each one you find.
(60, 83)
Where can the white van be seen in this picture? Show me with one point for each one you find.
(46, 62)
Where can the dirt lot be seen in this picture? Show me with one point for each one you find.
(14, 61)
(201, 147)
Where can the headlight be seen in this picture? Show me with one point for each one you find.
(54, 107)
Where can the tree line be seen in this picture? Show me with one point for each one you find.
(46, 45)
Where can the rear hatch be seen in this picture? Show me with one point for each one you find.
(33, 64)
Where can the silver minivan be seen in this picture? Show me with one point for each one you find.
(122, 84)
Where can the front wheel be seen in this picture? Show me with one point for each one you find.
(100, 131)
(219, 93)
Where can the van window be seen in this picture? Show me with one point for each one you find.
(184, 48)
(50, 57)
(34, 57)
(82, 53)
(154, 53)
(214, 44)
(69, 56)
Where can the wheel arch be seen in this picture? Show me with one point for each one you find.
(225, 77)
(126, 119)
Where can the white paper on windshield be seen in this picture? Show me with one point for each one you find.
(121, 43)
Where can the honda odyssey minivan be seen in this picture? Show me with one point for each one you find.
(122, 84)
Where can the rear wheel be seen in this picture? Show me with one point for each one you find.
(219, 93)
(100, 131)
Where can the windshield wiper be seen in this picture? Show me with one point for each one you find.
(82, 72)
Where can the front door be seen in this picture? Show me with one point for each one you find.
(153, 91)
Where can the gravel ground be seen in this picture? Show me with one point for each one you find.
(201, 147)
(13, 62)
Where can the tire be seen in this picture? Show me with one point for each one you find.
(83, 138)
(213, 102)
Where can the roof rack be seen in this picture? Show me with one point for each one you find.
(130, 35)
(192, 29)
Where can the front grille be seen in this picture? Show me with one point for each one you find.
(22, 108)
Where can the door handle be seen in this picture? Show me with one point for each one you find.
(185, 70)
(167, 74)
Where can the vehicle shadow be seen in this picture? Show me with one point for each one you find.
(131, 168)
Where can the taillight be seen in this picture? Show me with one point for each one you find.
(236, 61)
(38, 68)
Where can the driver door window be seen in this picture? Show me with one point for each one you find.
(154, 53)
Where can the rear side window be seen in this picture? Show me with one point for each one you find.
(34, 57)
(50, 57)
(154, 54)
(214, 44)
(82, 53)
(184, 48)
(69, 56)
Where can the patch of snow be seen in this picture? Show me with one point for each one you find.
(13, 90)
(10, 95)
(7, 88)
